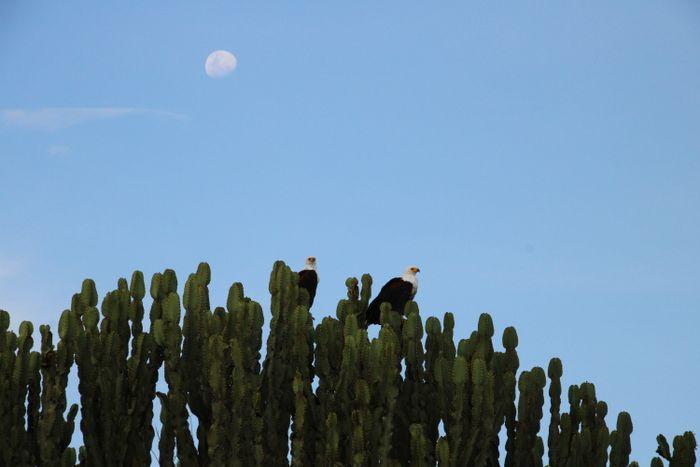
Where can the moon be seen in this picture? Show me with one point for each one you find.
(220, 63)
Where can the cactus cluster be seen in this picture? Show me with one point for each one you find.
(325, 394)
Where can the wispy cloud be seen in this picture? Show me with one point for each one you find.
(57, 118)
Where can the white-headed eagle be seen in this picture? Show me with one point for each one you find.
(397, 292)
(308, 278)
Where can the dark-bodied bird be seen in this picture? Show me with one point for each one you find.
(398, 291)
(308, 278)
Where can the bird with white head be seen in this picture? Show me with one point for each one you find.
(308, 278)
(397, 292)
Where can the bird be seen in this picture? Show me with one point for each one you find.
(397, 292)
(308, 278)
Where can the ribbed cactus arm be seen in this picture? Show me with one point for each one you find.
(620, 444)
(554, 372)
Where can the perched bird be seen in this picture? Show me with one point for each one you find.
(398, 291)
(308, 278)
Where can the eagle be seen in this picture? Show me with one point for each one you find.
(397, 292)
(308, 278)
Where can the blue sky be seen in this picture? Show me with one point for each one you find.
(538, 161)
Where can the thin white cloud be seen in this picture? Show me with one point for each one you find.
(57, 118)
(58, 150)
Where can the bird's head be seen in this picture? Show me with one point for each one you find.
(412, 270)
(310, 263)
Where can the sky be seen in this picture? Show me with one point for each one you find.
(538, 161)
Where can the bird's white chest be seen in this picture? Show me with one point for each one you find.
(413, 280)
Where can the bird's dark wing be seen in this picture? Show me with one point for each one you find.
(308, 279)
(396, 292)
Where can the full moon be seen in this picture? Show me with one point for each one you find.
(220, 63)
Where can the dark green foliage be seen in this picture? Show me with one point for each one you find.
(407, 397)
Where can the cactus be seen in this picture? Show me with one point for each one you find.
(554, 372)
(205, 384)
(579, 437)
(413, 403)
(531, 385)
(20, 380)
(683, 454)
(244, 334)
(378, 402)
(117, 384)
(304, 434)
(620, 444)
(385, 355)
(442, 450)
(358, 386)
(510, 368)
(54, 432)
(419, 451)
(175, 401)
(278, 368)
